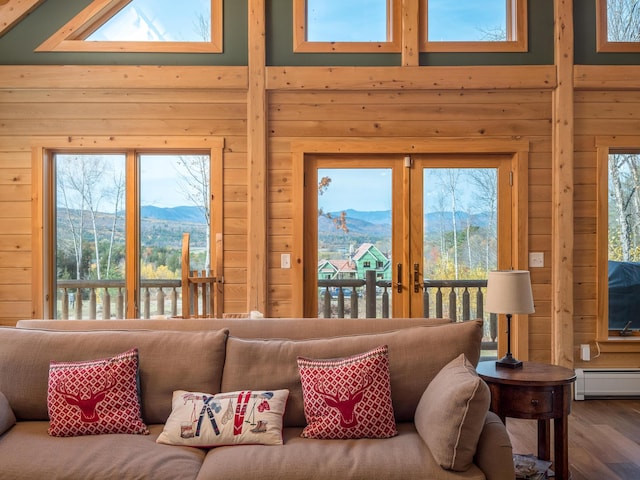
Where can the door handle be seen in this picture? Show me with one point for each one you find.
(416, 277)
(399, 277)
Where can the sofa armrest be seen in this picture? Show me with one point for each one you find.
(7, 418)
(494, 454)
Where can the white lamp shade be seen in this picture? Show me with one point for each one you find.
(509, 291)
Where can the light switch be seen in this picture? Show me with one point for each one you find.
(285, 260)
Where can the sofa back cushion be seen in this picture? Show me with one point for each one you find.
(416, 355)
(168, 361)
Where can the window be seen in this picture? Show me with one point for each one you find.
(619, 232)
(618, 26)
(113, 226)
(353, 26)
(474, 26)
(142, 26)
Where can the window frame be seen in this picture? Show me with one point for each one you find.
(71, 37)
(517, 33)
(602, 33)
(44, 205)
(394, 33)
(605, 147)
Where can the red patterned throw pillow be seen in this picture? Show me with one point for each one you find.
(348, 397)
(95, 397)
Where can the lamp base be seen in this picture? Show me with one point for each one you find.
(508, 362)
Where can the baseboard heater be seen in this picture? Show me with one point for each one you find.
(607, 383)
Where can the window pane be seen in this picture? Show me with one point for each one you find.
(158, 21)
(623, 21)
(350, 21)
(174, 199)
(354, 235)
(467, 20)
(460, 223)
(624, 241)
(90, 235)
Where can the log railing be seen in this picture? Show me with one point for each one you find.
(105, 299)
(460, 299)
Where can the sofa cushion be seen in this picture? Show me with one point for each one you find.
(234, 418)
(7, 418)
(169, 361)
(451, 414)
(416, 355)
(95, 397)
(403, 457)
(348, 397)
(28, 452)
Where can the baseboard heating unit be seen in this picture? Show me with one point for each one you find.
(607, 383)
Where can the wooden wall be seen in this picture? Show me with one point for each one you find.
(319, 103)
(114, 102)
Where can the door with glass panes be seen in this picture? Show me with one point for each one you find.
(400, 236)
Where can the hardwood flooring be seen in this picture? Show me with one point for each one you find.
(604, 439)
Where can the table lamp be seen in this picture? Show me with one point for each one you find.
(509, 292)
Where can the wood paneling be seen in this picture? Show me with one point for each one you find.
(42, 104)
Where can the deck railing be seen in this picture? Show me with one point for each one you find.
(87, 298)
(460, 299)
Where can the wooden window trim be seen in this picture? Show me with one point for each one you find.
(602, 33)
(301, 45)
(605, 146)
(42, 152)
(71, 37)
(517, 32)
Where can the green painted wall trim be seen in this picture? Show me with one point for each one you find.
(584, 12)
(17, 46)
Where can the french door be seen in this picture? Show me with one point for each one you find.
(428, 226)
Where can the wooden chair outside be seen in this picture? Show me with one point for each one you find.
(202, 291)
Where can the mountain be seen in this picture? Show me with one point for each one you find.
(173, 214)
(380, 221)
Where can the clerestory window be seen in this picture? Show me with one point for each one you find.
(353, 26)
(473, 26)
(142, 26)
(618, 25)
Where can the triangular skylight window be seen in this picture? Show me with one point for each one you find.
(142, 26)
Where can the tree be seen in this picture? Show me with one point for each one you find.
(193, 180)
(623, 20)
(339, 222)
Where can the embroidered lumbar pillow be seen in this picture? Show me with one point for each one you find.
(236, 418)
(95, 397)
(348, 397)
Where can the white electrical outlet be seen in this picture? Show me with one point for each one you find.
(536, 259)
(285, 260)
(585, 352)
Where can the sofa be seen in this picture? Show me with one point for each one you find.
(441, 432)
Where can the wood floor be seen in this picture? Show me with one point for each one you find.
(604, 439)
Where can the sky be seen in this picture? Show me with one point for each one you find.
(329, 20)
(155, 20)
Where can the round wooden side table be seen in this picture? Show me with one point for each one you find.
(536, 391)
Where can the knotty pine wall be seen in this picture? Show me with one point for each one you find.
(342, 115)
(166, 101)
(112, 102)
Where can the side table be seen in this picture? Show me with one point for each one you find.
(536, 391)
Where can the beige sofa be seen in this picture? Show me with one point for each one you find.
(224, 355)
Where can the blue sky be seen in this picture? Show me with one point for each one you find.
(156, 20)
(329, 20)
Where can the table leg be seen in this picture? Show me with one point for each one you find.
(561, 450)
(544, 439)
